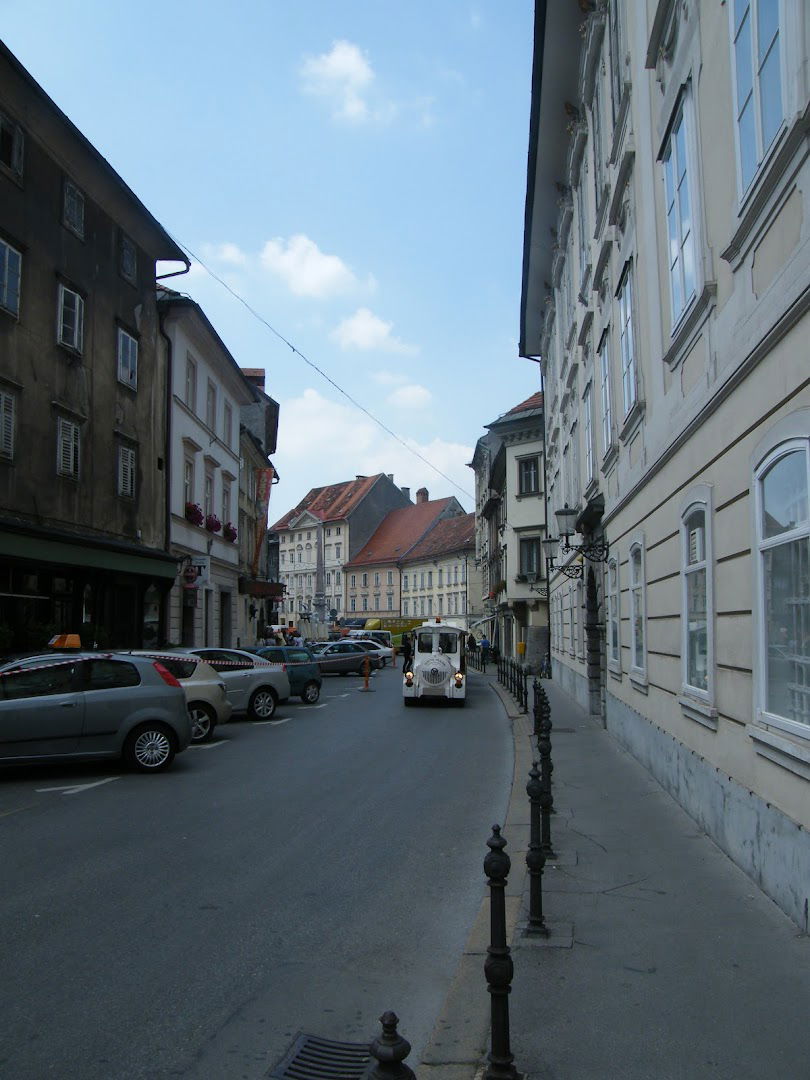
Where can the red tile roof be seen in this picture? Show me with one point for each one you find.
(399, 531)
(534, 402)
(331, 503)
(452, 534)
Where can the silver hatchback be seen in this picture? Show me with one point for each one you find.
(92, 705)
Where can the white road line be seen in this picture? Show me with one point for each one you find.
(208, 746)
(74, 789)
(262, 723)
(315, 706)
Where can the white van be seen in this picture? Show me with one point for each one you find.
(382, 637)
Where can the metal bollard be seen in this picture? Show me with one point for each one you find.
(390, 1050)
(546, 767)
(498, 968)
(535, 856)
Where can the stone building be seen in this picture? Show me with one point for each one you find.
(666, 290)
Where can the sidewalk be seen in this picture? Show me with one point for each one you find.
(665, 962)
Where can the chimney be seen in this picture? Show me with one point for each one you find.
(422, 495)
(255, 376)
(391, 477)
(406, 492)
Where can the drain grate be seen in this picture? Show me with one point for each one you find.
(313, 1058)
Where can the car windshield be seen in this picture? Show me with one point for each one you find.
(424, 641)
(448, 643)
(319, 646)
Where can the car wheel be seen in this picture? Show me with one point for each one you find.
(203, 721)
(311, 693)
(150, 748)
(263, 703)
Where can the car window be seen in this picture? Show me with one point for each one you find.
(106, 674)
(276, 655)
(222, 660)
(39, 681)
(424, 642)
(180, 668)
(448, 643)
(298, 656)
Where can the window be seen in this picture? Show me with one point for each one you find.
(637, 612)
(604, 386)
(587, 432)
(528, 476)
(389, 601)
(530, 556)
(11, 146)
(227, 424)
(406, 605)
(73, 208)
(783, 539)
(376, 602)
(376, 579)
(127, 359)
(71, 319)
(441, 575)
(441, 605)
(67, 452)
(680, 231)
(757, 40)
(191, 382)
(226, 500)
(404, 582)
(364, 580)
(696, 649)
(390, 577)
(430, 579)
(421, 579)
(126, 472)
(328, 532)
(337, 577)
(365, 603)
(8, 406)
(128, 260)
(10, 274)
(353, 581)
(613, 615)
(188, 480)
(582, 222)
(430, 605)
(211, 406)
(626, 342)
(208, 494)
(337, 549)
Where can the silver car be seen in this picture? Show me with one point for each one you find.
(92, 705)
(252, 685)
(207, 700)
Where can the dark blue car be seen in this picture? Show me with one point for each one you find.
(301, 667)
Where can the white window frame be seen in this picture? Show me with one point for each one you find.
(605, 393)
(227, 423)
(70, 333)
(587, 434)
(637, 592)
(678, 178)
(190, 396)
(613, 599)
(8, 417)
(787, 437)
(10, 273)
(211, 405)
(529, 470)
(127, 463)
(754, 98)
(627, 341)
(68, 448)
(698, 499)
(127, 359)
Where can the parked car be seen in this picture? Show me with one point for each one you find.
(339, 657)
(301, 667)
(253, 685)
(92, 705)
(205, 692)
(381, 654)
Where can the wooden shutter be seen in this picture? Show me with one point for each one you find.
(7, 403)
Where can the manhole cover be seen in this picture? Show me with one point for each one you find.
(312, 1058)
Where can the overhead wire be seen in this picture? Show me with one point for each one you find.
(258, 316)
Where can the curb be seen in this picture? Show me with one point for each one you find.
(457, 1047)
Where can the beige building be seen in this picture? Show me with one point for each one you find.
(666, 290)
(440, 575)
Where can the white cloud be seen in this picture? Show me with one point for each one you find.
(228, 253)
(364, 330)
(304, 268)
(343, 76)
(410, 397)
(325, 442)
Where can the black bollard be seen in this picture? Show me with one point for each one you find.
(390, 1051)
(498, 967)
(546, 769)
(535, 856)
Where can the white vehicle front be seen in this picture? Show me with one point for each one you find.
(437, 669)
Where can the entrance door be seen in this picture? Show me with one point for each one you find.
(225, 619)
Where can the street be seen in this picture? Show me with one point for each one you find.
(306, 873)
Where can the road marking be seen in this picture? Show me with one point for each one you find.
(74, 789)
(208, 746)
(16, 810)
(315, 706)
(262, 723)
(345, 695)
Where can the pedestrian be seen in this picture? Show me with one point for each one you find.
(484, 649)
(407, 652)
(472, 644)
(297, 639)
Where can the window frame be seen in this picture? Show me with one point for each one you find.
(6, 249)
(190, 391)
(8, 424)
(698, 500)
(637, 593)
(531, 465)
(605, 393)
(15, 166)
(627, 341)
(613, 614)
(72, 197)
(127, 472)
(75, 343)
(68, 444)
(127, 248)
(123, 337)
(682, 122)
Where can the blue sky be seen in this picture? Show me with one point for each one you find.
(356, 172)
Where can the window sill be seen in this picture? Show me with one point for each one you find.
(632, 421)
(638, 680)
(690, 322)
(699, 711)
(609, 460)
(781, 749)
(615, 670)
(528, 495)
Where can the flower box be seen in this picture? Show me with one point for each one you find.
(194, 513)
(229, 531)
(213, 524)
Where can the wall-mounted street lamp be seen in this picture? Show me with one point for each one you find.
(531, 578)
(596, 549)
(571, 570)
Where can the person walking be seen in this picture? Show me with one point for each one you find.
(407, 651)
(484, 649)
(472, 644)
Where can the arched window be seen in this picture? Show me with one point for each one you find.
(638, 613)
(613, 616)
(697, 596)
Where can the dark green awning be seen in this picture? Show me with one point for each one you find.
(68, 553)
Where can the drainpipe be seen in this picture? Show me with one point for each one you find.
(168, 469)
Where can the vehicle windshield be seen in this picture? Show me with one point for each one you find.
(424, 641)
(448, 643)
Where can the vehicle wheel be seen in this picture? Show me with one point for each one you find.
(150, 748)
(203, 721)
(263, 703)
(311, 693)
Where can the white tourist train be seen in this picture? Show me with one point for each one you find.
(437, 670)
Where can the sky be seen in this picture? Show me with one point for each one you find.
(349, 181)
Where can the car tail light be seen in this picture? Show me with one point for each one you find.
(165, 674)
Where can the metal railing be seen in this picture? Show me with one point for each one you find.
(515, 678)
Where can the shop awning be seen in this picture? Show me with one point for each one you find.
(261, 589)
(85, 552)
(486, 619)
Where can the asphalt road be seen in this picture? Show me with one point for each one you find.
(303, 874)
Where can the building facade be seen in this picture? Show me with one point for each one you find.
(440, 575)
(83, 442)
(666, 291)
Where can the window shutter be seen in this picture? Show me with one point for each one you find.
(126, 471)
(68, 437)
(6, 425)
